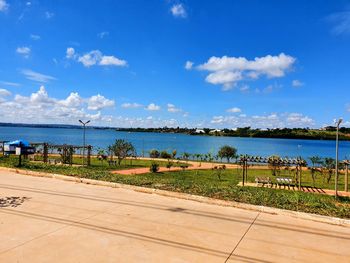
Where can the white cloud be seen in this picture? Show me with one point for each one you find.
(227, 71)
(178, 10)
(49, 15)
(94, 57)
(39, 107)
(188, 65)
(99, 102)
(103, 34)
(131, 105)
(297, 83)
(91, 58)
(245, 89)
(234, 110)
(273, 120)
(172, 108)
(111, 61)
(3, 5)
(341, 22)
(4, 93)
(72, 101)
(38, 77)
(152, 107)
(7, 83)
(70, 52)
(25, 51)
(35, 37)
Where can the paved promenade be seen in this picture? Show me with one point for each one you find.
(49, 220)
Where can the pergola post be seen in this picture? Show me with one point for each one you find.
(346, 177)
(45, 152)
(89, 155)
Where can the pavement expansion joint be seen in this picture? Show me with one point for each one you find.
(251, 224)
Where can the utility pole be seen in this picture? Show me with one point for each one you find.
(84, 126)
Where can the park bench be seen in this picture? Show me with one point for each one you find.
(263, 181)
(53, 161)
(112, 162)
(284, 181)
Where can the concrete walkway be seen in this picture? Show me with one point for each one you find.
(48, 220)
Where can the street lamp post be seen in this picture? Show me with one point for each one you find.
(337, 123)
(84, 124)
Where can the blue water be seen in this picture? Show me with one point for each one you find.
(144, 142)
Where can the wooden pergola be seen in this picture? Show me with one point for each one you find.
(66, 151)
(245, 160)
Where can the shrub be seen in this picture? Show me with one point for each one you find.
(169, 165)
(154, 153)
(154, 167)
(165, 155)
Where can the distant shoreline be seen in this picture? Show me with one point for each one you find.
(286, 133)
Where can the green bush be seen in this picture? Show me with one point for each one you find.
(165, 155)
(154, 168)
(154, 153)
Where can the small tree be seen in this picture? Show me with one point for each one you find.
(274, 163)
(122, 149)
(154, 168)
(154, 153)
(174, 154)
(169, 164)
(186, 156)
(165, 155)
(227, 152)
(315, 160)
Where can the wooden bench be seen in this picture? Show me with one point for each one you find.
(284, 181)
(112, 162)
(53, 161)
(263, 180)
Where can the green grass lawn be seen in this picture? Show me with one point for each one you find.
(206, 183)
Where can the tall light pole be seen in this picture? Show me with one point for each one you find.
(337, 123)
(84, 124)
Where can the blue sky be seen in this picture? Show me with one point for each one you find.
(188, 63)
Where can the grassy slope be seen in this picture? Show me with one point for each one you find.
(207, 183)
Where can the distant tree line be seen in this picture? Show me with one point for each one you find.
(327, 133)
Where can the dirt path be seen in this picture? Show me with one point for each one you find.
(191, 166)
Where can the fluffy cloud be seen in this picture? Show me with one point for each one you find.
(152, 107)
(25, 51)
(39, 107)
(70, 53)
(3, 5)
(178, 10)
(38, 77)
(272, 120)
(99, 102)
(172, 108)
(234, 110)
(4, 93)
(188, 65)
(131, 105)
(227, 71)
(297, 83)
(94, 57)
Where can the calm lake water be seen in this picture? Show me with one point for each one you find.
(144, 142)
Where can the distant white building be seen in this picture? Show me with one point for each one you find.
(215, 130)
(199, 131)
